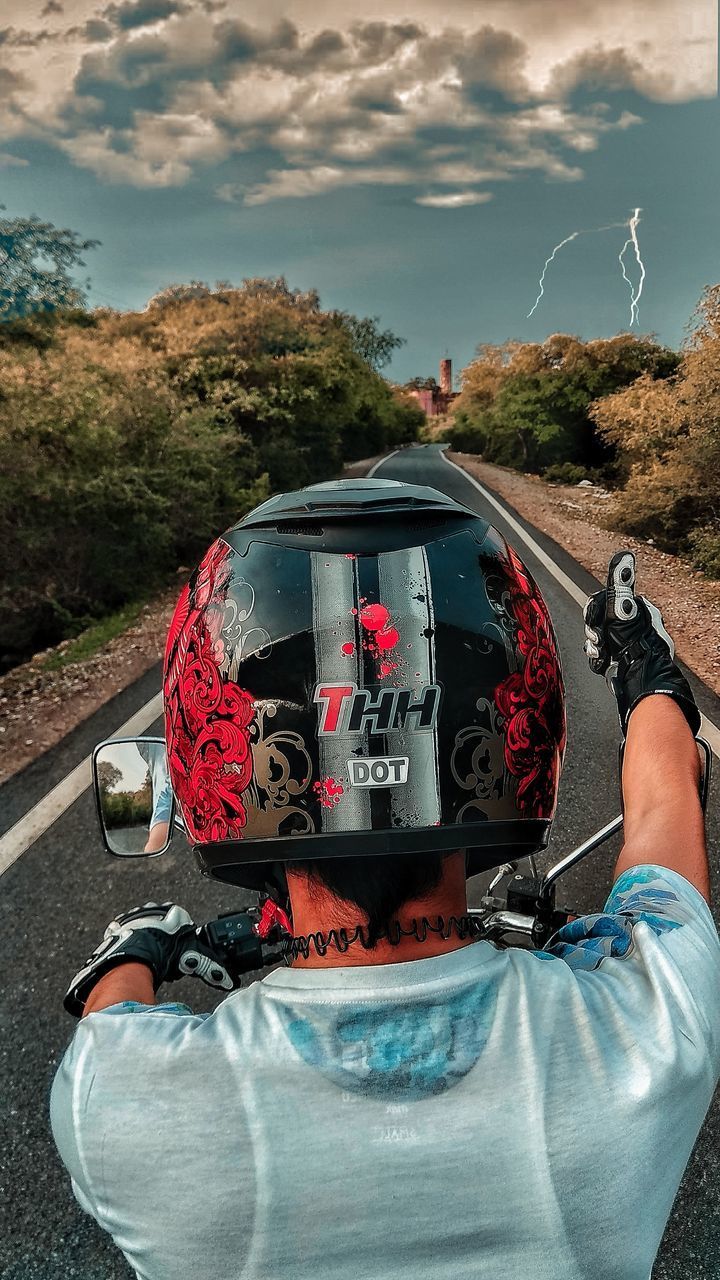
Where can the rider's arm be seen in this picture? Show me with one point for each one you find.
(127, 982)
(664, 823)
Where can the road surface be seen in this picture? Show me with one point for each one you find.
(56, 899)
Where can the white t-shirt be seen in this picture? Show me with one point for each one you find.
(486, 1114)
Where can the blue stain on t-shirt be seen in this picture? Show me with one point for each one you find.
(416, 1050)
(638, 896)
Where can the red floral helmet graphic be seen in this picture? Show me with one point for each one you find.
(362, 667)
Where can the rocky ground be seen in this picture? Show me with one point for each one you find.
(577, 517)
(38, 707)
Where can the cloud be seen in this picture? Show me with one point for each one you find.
(50, 8)
(296, 183)
(151, 92)
(455, 199)
(8, 161)
(141, 13)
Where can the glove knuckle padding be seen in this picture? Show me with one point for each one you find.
(159, 935)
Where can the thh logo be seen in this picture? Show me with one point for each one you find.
(346, 709)
(381, 771)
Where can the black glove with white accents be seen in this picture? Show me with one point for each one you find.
(160, 935)
(628, 644)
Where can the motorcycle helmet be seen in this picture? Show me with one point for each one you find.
(362, 667)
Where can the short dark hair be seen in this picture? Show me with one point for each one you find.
(378, 884)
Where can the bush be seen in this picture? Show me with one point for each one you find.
(526, 405)
(704, 546)
(464, 436)
(668, 438)
(127, 444)
(569, 473)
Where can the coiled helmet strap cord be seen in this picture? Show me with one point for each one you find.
(421, 930)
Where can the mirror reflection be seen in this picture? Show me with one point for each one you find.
(134, 796)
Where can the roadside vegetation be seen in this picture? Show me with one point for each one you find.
(129, 440)
(624, 412)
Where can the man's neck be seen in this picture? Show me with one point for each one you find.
(316, 910)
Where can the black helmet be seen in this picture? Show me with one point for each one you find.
(362, 667)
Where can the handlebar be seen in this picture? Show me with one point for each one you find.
(234, 937)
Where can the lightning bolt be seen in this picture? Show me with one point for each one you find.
(584, 231)
(633, 240)
(541, 282)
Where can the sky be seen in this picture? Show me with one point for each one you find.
(417, 163)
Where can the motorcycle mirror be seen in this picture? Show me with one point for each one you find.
(135, 802)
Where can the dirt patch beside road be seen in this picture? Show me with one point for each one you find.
(38, 707)
(688, 601)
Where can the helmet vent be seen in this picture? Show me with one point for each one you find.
(301, 528)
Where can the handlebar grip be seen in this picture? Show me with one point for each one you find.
(622, 605)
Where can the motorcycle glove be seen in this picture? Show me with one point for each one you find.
(159, 935)
(626, 642)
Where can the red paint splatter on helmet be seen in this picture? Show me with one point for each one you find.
(329, 792)
(382, 637)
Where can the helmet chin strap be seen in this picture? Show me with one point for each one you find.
(422, 930)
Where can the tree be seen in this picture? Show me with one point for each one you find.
(108, 775)
(36, 259)
(527, 405)
(178, 293)
(421, 384)
(667, 434)
(374, 345)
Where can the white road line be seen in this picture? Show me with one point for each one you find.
(380, 463)
(47, 810)
(708, 729)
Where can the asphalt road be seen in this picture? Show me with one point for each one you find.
(57, 898)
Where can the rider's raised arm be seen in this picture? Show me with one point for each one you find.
(664, 823)
(628, 644)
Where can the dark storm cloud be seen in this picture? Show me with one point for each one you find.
(141, 13)
(95, 31)
(13, 38)
(607, 69)
(377, 41)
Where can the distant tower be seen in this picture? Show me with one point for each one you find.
(446, 376)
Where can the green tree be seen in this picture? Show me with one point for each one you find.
(36, 262)
(374, 345)
(527, 405)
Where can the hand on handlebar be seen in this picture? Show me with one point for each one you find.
(628, 644)
(159, 935)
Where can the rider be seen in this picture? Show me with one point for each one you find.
(364, 705)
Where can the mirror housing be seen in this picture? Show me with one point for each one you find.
(134, 797)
